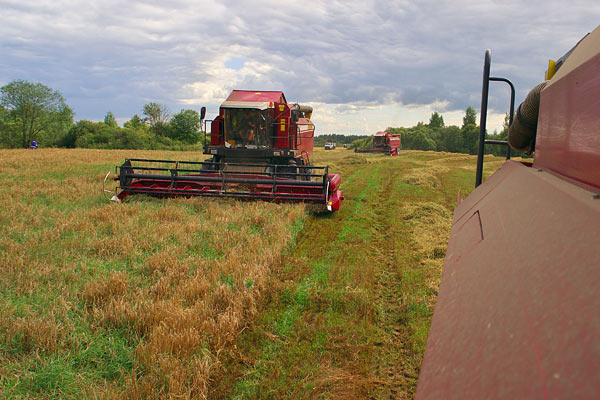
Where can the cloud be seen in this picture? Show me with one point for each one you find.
(349, 56)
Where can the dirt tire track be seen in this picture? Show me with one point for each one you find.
(401, 376)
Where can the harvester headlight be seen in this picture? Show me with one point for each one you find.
(329, 203)
(277, 153)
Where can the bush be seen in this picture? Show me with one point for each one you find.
(98, 135)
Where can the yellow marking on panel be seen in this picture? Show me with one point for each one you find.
(282, 121)
(551, 69)
(281, 107)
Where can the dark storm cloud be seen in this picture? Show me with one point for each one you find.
(416, 52)
(118, 56)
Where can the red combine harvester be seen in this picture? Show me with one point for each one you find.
(260, 147)
(384, 142)
(518, 310)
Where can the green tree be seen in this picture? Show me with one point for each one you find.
(470, 136)
(470, 117)
(436, 121)
(157, 116)
(422, 142)
(505, 125)
(110, 120)
(36, 109)
(98, 135)
(56, 128)
(84, 134)
(418, 137)
(4, 115)
(451, 139)
(469, 131)
(7, 126)
(134, 123)
(184, 126)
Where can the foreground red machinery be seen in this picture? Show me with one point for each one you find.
(384, 142)
(518, 310)
(260, 148)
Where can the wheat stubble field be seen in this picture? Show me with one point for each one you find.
(203, 298)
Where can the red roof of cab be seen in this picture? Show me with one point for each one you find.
(257, 96)
(381, 133)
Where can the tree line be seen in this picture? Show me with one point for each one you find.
(31, 111)
(436, 136)
(320, 140)
(34, 112)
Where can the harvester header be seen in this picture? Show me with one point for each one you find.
(260, 147)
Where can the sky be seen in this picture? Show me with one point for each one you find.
(363, 65)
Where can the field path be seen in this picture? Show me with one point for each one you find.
(355, 295)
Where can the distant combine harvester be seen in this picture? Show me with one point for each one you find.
(384, 142)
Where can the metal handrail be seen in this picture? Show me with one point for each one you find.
(510, 115)
(483, 117)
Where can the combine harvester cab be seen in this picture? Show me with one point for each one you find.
(260, 148)
(518, 310)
